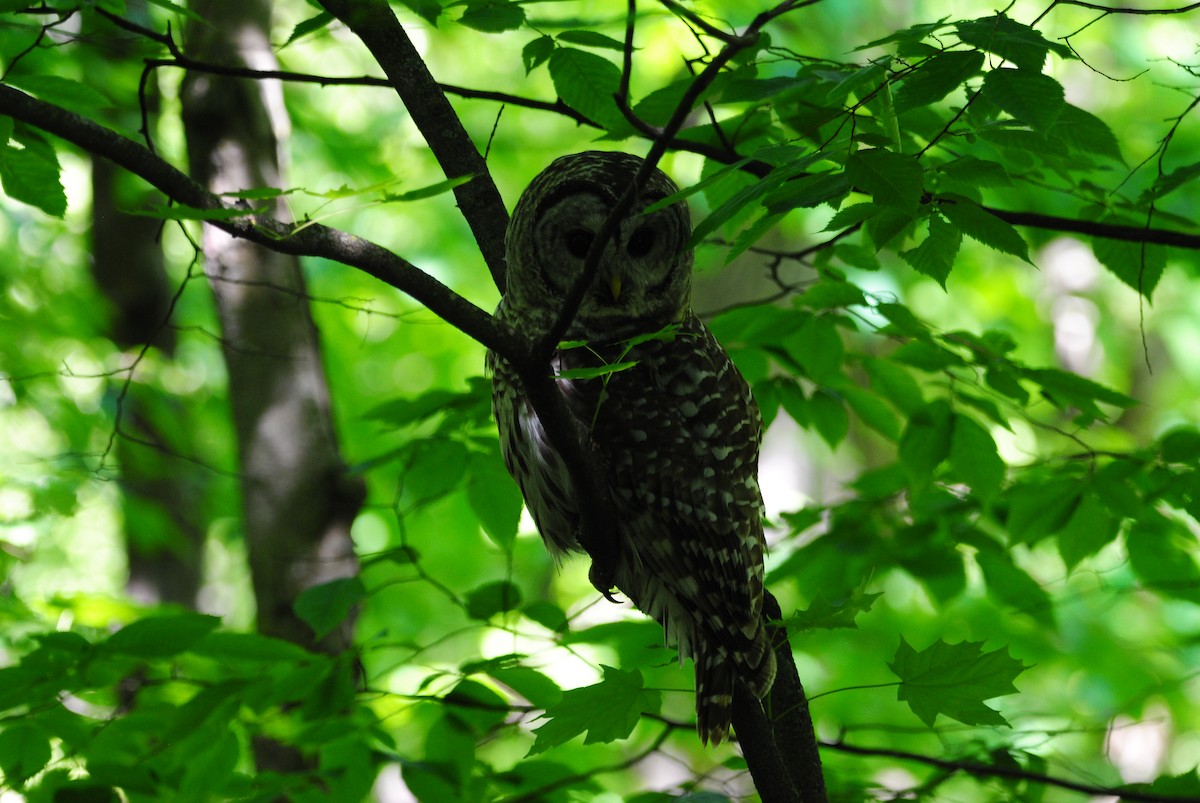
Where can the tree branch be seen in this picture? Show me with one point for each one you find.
(997, 771)
(482, 207)
(308, 239)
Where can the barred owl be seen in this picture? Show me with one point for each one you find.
(676, 433)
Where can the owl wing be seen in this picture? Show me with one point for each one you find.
(680, 433)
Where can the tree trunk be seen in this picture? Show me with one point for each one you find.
(298, 502)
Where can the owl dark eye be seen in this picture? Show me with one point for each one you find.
(578, 241)
(641, 242)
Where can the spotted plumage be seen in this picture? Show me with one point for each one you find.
(675, 430)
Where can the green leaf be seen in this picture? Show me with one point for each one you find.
(546, 614)
(1161, 554)
(184, 212)
(494, 498)
(934, 257)
(892, 179)
(226, 646)
(1181, 445)
(977, 172)
(63, 92)
(808, 192)
(973, 458)
(537, 52)
(1138, 265)
(310, 26)
(1022, 45)
(435, 468)
(954, 680)
(1090, 528)
(323, 607)
(607, 711)
(981, 225)
(591, 39)
(1041, 507)
(493, 16)
(24, 752)
(1012, 585)
(492, 598)
(873, 411)
(160, 636)
(926, 441)
(587, 82)
(828, 415)
(831, 293)
(31, 173)
(1067, 389)
(597, 371)
(429, 10)
(895, 383)
(825, 614)
(430, 191)
(818, 347)
(937, 77)
(535, 687)
(1031, 97)
(1087, 133)
(851, 216)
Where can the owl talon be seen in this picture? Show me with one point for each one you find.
(601, 579)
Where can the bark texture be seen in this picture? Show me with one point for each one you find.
(298, 502)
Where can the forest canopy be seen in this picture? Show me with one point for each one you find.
(256, 537)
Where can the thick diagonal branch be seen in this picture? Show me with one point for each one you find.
(375, 24)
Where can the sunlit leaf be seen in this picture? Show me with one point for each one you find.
(954, 680)
(160, 636)
(934, 257)
(490, 599)
(1032, 97)
(980, 224)
(607, 711)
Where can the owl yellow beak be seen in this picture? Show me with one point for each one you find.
(614, 284)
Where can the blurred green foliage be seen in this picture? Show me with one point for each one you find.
(983, 470)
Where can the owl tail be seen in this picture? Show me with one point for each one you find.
(716, 674)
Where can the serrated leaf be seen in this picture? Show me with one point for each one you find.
(1031, 97)
(851, 216)
(954, 680)
(825, 614)
(607, 711)
(493, 16)
(1086, 133)
(429, 10)
(892, 179)
(494, 498)
(31, 174)
(429, 191)
(309, 26)
(160, 636)
(973, 458)
(1068, 389)
(807, 192)
(591, 39)
(934, 257)
(981, 225)
(63, 92)
(977, 172)
(1022, 45)
(587, 82)
(183, 212)
(323, 607)
(1169, 182)
(1139, 265)
(937, 77)
(490, 599)
(536, 52)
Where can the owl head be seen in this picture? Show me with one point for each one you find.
(643, 280)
